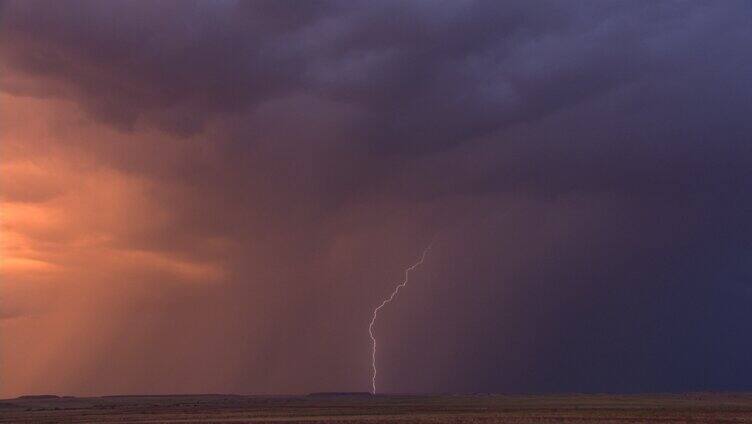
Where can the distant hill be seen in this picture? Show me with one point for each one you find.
(327, 394)
(39, 397)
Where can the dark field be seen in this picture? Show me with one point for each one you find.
(686, 408)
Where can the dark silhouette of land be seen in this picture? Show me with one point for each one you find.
(365, 408)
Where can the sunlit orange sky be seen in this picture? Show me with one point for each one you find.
(213, 196)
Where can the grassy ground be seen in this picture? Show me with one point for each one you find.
(684, 408)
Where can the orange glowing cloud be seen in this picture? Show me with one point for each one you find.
(72, 246)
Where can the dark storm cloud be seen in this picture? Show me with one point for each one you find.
(176, 64)
(438, 73)
(585, 168)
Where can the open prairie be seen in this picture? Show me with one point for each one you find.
(675, 408)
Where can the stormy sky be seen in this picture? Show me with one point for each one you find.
(213, 196)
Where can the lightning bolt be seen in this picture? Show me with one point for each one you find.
(378, 308)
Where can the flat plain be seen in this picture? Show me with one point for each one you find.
(344, 409)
